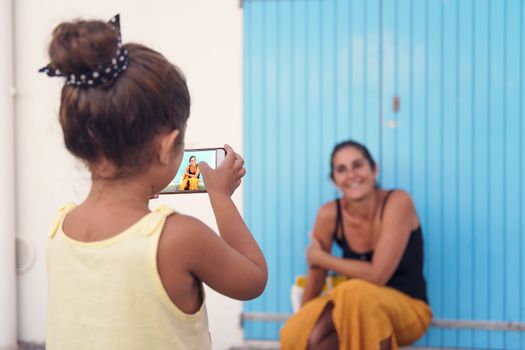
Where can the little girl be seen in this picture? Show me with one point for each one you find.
(122, 276)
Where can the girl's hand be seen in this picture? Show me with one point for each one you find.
(314, 252)
(227, 177)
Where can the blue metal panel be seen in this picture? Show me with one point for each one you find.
(357, 63)
(404, 117)
(318, 72)
(389, 119)
(272, 174)
(434, 205)
(481, 165)
(343, 66)
(372, 85)
(496, 271)
(512, 138)
(328, 94)
(314, 169)
(284, 125)
(254, 105)
(464, 192)
(449, 165)
(299, 143)
(417, 105)
(521, 170)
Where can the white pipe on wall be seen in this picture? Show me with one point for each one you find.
(8, 307)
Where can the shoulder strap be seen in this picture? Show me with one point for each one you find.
(156, 219)
(384, 203)
(62, 212)
(339, 234)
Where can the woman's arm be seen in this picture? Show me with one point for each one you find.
(397, 222)
(197, 172)
(323, 232)
(314, 283)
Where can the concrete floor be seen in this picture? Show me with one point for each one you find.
(248, 345)
(273, 345)
(30, 346)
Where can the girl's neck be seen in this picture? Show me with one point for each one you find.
(364, 208)
(131, 193)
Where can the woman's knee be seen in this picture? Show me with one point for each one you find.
(360, 287)
(359, 292)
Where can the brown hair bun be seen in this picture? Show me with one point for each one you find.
(80, 46)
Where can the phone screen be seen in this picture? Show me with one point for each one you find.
(189, 179)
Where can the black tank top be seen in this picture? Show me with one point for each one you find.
(193, 173)
(408, 277)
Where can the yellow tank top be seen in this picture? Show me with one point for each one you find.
(108, 294)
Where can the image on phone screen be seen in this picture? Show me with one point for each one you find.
(189, 178)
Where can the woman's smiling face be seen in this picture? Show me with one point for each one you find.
(352, 173)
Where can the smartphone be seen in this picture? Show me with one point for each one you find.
(189, 179)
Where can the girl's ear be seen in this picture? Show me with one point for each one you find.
(166, 146)
(376, 171)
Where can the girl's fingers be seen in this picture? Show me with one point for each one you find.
(239, 163)
(229, 151)
(241, 173)
(204, 167)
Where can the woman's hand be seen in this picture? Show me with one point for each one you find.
(314, 253)
(227, 177)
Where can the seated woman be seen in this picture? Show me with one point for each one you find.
(190, 178)
(383, 304)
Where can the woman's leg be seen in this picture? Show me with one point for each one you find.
(324, 336)
(298, 328)
(367, 316)
(386, 344)
(194, 184)
(184, 184)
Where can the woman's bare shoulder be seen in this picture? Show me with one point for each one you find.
(325, 222)
(328, 211)
(400, 204)
(400, 198)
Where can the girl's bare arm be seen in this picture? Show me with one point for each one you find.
(231, 263)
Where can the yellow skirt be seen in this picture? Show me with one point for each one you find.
(193, 184)
(364, 314)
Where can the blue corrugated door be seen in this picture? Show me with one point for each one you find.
(320, 71)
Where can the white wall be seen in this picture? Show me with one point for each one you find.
(7, 180)
(204, 38)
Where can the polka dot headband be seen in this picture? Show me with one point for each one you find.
(100, 74)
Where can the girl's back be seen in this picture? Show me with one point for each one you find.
(108, 294)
